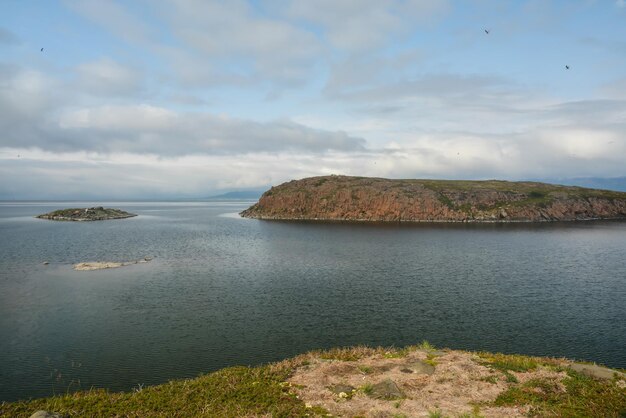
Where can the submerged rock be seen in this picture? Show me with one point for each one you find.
(100, 265)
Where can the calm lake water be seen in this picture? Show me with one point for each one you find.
(224, 291)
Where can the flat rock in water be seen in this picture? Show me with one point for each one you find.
(419, 367)
(387, 389)
(100, 265)
(97, 265)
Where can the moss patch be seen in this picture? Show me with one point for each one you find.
(509, 362)
(581, 397)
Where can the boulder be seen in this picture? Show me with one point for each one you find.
(338, 389)
(419, 367)
(595, 371)
(387, 389)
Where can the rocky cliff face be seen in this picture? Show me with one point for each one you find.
(377, 199)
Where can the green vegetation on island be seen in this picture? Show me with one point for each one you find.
(378, 199)
(86, 214)
(361, 381)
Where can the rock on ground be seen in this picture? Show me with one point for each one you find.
(45, 414)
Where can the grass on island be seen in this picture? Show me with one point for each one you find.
(575, 396)
(535, 191)
(264, 390)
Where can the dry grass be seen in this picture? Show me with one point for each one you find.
(455, 387)
(463, 385)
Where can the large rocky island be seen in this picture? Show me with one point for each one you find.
(378, 199)
(86, 214)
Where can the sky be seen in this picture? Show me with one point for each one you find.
(188, 98)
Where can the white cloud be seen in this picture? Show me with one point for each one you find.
(119, 118)
(241, 40)
(38, 111)
(45, 174)
(363, 24)
(353, 91)
(615, 89)
(107, 77)
(115, 18)
(160, 131)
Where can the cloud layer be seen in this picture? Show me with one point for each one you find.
(181, 98)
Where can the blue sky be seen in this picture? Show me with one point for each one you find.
(173, 98)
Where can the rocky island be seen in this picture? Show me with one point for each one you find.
(86, 214)
(377, 199)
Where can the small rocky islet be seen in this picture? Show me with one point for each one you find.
(346, 198)
(98, 213)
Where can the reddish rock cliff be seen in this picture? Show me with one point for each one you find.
(377, 199)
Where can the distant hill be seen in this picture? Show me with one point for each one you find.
(240, 195)
(379, 199)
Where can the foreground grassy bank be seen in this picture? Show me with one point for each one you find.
(361, 381)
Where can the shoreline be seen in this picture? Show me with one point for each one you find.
(428, 221)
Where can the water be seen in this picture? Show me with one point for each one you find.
(224, 291)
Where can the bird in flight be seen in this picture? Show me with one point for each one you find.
(567, 67)
(487, 31)
(41, 50)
